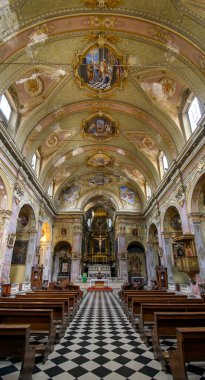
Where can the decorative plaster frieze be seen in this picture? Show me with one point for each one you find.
(18, 193)
(4, 216)
(179, 195)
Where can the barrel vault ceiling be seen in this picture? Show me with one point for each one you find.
(74, 68)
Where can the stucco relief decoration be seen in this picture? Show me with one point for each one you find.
(144, 143)
(34, 86)
(99, 127)
(102, 3)
(100, 67)
(136, 232)
(163, 36)
(161, 90)
(40, 34)
(180, 195)
(99, 160)
(157, 216)
(127, 195)
(18, 193)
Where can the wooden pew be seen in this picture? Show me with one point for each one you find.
(165, 325)
(146, 318)
(69, 300)
(128, 295)
(190, 348)
(58, 308)
(15, 343)
(72, 295)
(40, 321)
(136, 302)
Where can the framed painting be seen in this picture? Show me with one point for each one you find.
(20, 252)
(11, 240)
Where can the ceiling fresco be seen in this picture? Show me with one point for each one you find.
(99, 87)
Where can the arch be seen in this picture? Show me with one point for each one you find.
(86, 198)
(172, 220)
(22, 255)
(136, 260)
(135, 246)
(63, 246)
(196, 191)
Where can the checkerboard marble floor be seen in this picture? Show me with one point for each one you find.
(99, 344)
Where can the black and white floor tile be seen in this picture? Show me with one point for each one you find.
(99, 344)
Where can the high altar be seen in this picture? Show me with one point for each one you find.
(99, 282)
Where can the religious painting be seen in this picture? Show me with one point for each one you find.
(98, 180)
(20, 252)
(71, 193)
(100, 68)
(63, 231)
(99, 127)
(175, 222)
(11, 240)
(99, 160)
(127, 195)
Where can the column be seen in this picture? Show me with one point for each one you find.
(122, 251)
(76, 251)
(31, 255)
(200, 247)
(168, 257)
(11, 229)
(151, 263)
(4, 224)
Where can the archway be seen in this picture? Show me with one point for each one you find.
(62, 255)
(23, 251)
(136, 260)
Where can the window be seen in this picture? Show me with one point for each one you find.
(163, 164)
(5, 107)
(34, 161)
(50, 190)
(194, 113)
(148, 191)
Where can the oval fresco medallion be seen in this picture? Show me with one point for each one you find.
(99, 127)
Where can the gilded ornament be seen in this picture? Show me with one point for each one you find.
(34, 87)
(99, 127)
(102, 3)
(100, 67)
(99, 160)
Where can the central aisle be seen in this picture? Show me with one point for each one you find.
(100, 344)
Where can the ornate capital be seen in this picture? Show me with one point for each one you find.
(77, 229)
(18, 193)
(179, 194)
(76, 256)
(4, 216)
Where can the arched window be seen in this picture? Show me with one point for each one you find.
(34, 161)
(148, 191)
(5, 108)
(163, 164)
(194, 113)
(50, 190)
